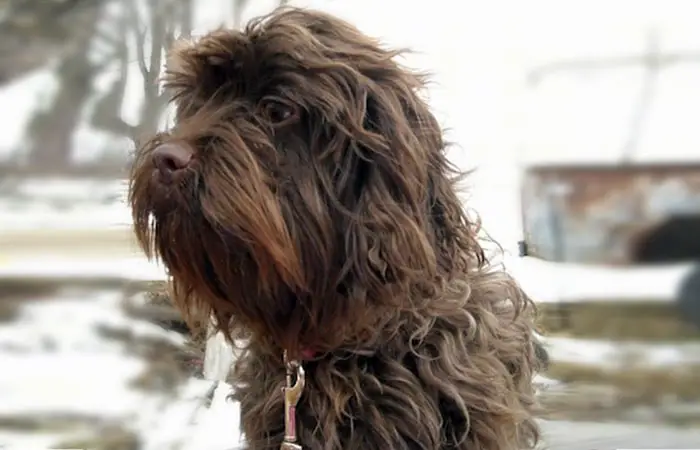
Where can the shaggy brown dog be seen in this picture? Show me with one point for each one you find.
(303, 197)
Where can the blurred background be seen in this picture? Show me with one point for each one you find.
(579, 119)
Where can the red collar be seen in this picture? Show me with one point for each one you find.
(307, 354)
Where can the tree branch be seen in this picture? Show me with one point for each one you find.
(186, 15)
(139, 31)
(107, 38)
(114, 124)
(159, 24)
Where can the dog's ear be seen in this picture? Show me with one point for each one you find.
(199, 71)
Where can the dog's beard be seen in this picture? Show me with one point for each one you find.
(249, 236)
(218, 227)
(264, 238)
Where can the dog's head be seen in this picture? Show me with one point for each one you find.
(303, 194)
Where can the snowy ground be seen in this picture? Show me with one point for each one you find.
(74, 364)
(57, 366)
(51, 210)
(563, 435)
(62, 370)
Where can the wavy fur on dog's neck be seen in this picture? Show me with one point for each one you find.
(458, 376)
(320, 211)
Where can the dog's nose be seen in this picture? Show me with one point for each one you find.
(171, 158)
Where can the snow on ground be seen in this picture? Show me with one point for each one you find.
(550, 282)
(618, 355)
(134, 268)
(55, 363)
(69, 205)
(48, 204)
(563, 435)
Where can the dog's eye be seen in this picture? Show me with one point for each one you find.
(279, 112)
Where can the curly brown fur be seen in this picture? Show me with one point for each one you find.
(320, 211)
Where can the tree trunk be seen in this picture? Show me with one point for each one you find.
(32, 31)
(51, 130)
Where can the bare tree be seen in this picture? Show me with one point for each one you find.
(137, 31)
(34, 31)
(51, 130)
(150, 31)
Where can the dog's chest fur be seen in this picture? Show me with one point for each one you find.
(388, 401)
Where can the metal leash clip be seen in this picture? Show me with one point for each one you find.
(292, 392)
